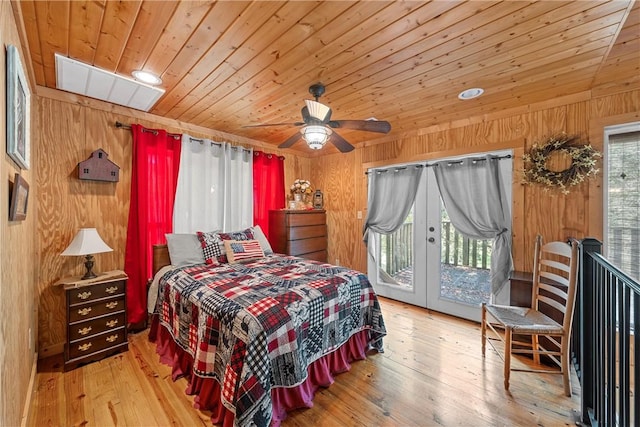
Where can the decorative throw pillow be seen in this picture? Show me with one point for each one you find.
(212, 247)
(245, 234)
(260, 237)
(184, 249)
(242, 250)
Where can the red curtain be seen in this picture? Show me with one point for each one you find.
(154, 175)
(268, 187)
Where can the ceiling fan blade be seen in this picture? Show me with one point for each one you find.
(291, 140)
(379, 126)
(340, 143)
(274, 124)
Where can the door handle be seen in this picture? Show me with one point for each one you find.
(432, 240)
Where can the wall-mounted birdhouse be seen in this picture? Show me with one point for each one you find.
(98, 167)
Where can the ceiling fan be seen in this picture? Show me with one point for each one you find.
(317, 126)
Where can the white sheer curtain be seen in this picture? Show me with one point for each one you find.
(238, 194)
(215, 187)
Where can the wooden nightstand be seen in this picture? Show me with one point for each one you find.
(96, 317)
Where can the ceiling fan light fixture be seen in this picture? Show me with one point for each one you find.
(316, 136)
(146, 77)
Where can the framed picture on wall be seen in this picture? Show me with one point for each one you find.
(18, 110)
(19, 199)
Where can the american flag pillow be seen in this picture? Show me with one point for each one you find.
(242, 250)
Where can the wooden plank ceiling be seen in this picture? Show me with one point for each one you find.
(228, 64)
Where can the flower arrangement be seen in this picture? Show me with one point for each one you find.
(301, 186)
(583, 164)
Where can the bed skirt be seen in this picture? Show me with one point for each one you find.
(207, 390)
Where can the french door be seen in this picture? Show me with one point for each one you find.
(427, 263)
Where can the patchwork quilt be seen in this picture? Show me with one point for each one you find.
(256, 325)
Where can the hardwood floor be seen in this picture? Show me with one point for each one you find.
(431, 374)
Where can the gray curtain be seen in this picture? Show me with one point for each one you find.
(391, 195)
(474, 197)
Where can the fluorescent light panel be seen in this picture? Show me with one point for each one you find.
(77, 77)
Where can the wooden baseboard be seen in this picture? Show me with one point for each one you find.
(26, 412)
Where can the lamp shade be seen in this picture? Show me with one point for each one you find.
(86, 242)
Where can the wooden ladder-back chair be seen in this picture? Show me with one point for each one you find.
(555, 277)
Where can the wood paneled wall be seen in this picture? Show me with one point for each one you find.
(70, 128)
(555, 216)
(18, 258)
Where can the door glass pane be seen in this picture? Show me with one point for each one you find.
(464, 266)
(396, 255)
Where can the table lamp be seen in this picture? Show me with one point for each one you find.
(87, 242)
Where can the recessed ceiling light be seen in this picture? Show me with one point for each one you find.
(146, 77)
(471, 93)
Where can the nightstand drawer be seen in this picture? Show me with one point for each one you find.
(307, 218)
(305, 246)
(95, 326)
(89, 311)
(94, 292)
(96, 343)
(306, 232)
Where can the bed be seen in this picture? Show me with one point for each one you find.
(257, 338)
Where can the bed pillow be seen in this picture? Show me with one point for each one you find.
(211, 247)
(213, 244)
(243, 250)
(246, 234)
(260, 237)
(184, 249)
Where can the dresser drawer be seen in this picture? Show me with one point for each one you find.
(314, 218)
(307, 231)
(90, 293)
(320, 256)
(83, 312)
(96, 343)
(305, 246)
(95, 326)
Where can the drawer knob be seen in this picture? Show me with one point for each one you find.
(112, 323)
(84, 331)
(112, 338)
(84, 295)
(111, 305)
(84, 347)
(111, 290)
(84, 311)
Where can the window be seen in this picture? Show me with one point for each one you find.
(622, 199)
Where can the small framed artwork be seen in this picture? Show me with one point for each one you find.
(18, 110)
(19, 199)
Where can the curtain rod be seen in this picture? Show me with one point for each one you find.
(144, 129)
(449, 163)
(176, 136)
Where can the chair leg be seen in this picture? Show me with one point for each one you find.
(507, 356)
(484, 329)
(564, 359)
(535, 346)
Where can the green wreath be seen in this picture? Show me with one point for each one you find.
(583, 164)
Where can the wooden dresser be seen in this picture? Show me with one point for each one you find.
(96, 317)
(299, 233)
